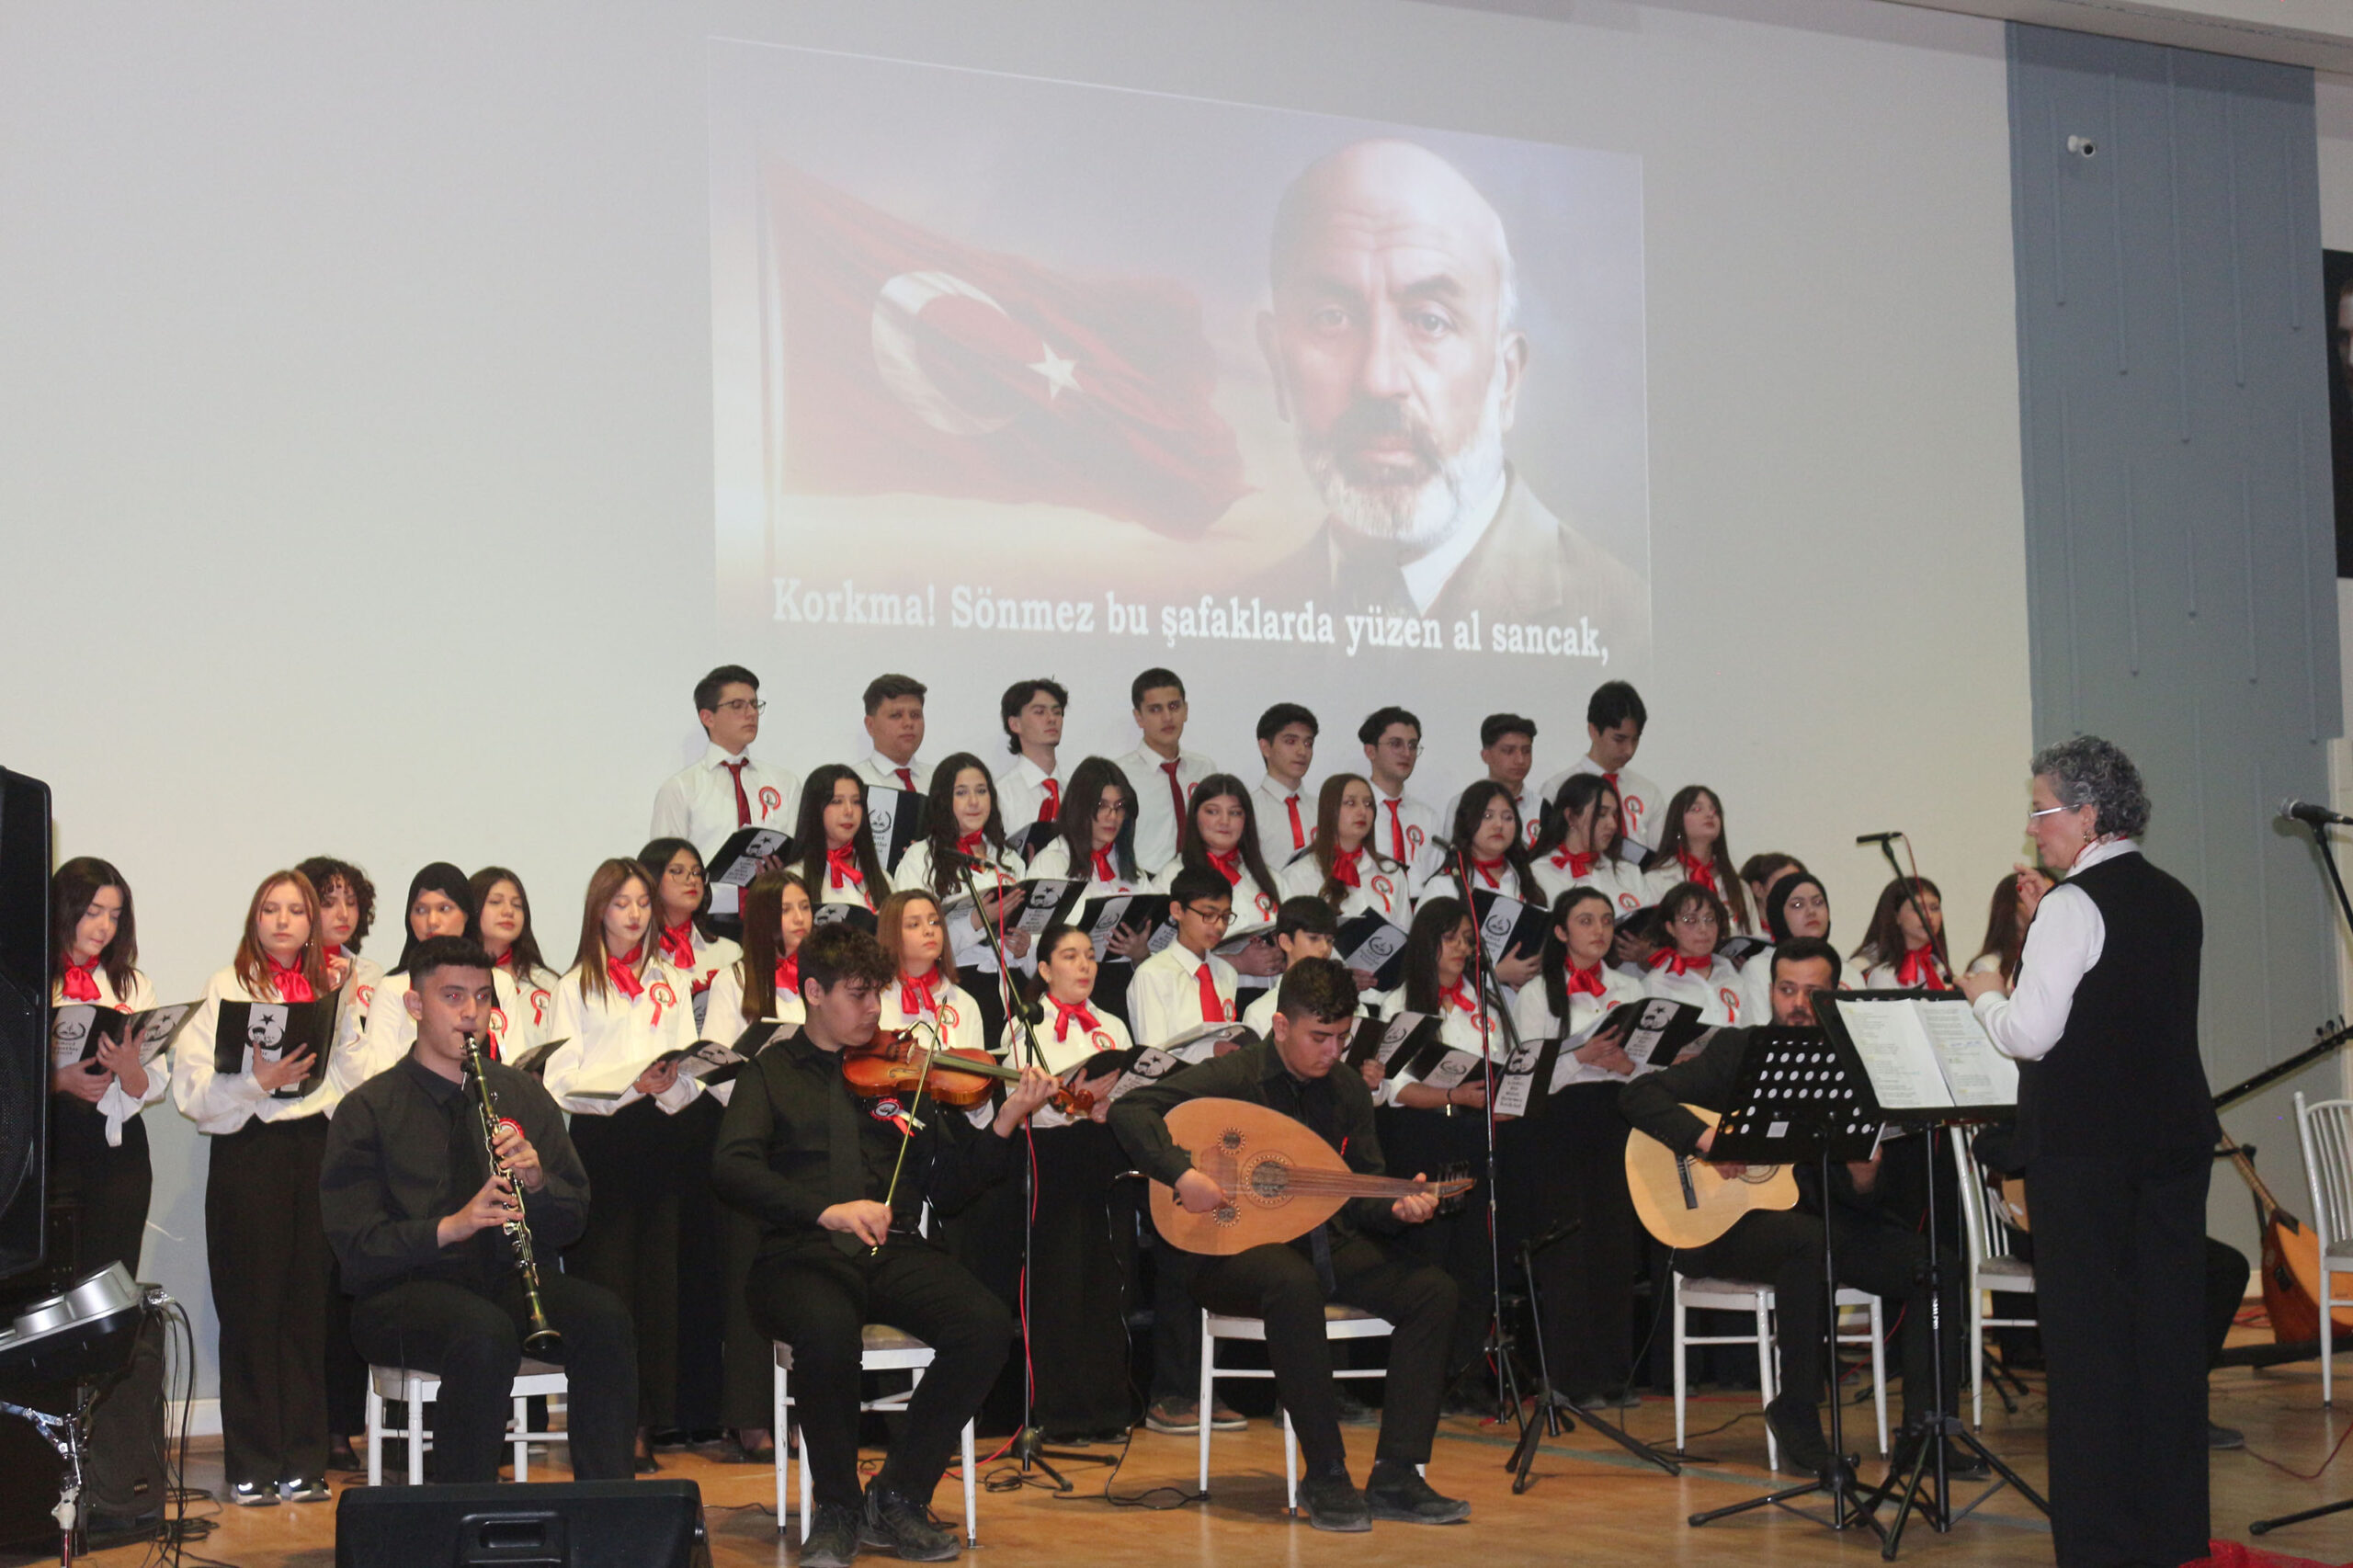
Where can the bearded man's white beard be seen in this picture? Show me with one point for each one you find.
(1419, 519)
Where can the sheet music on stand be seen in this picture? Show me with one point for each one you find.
(1794, 1082)
(1925, 1056)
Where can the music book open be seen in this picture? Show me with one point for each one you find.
(1921, 1052)
(737, 861)
(268, 1031)
(1372, 942)
(77, 1029)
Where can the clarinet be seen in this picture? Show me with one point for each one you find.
(543, 1342)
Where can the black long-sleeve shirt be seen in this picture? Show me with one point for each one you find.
(405, 1150)
(775, 1155)
(1336, 1106)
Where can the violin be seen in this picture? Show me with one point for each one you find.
(894, 1062)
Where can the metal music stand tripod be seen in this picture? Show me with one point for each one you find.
(1561, 1415)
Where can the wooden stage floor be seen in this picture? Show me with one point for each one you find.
(1590, 1503)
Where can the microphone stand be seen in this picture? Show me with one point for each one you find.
(1483, 976)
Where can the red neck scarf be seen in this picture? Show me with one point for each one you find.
(1587, 981)
(1229, 865)
(77, 983)
(1069, 1013)
(1104, 870)
(1576, 862)
(292, 984)
(1459, 995)
(1343, 868)
(1673, 958)
(622, 971)
(1487, 871)
(788, 977)
(842, 867)
(1918, 971)
(971, 844)
(1701, 871)
(679, 946)
(505, 960)
(919, 993)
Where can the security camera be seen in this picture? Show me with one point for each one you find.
(2084, 145)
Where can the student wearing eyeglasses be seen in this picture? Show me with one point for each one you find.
(727, 787)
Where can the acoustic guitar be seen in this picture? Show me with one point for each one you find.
(1685, 1202)
(1282, 1179)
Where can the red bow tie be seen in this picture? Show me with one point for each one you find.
(1701, 871)
(621, 969)
(917, 993)
(1576, 862)
(1229, 865)
(1918, 971)
(77, 983)
(970, 843)
(842, 866)
(1104, 870)
(788, 977)
(1069, 1013)
(1459, 995)
(1487, 870)
(679, 946)
(292, 984)
(1587, 981)
(1672, 957)
(1343, 868)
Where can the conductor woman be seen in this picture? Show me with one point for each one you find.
(2116, 1129)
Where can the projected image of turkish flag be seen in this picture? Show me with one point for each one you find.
(914, 363)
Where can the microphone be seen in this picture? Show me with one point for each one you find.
(2314, 816)
(1878, 837)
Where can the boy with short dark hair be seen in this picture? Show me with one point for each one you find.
(1286, 812)
(1163, 774)
(1614, 721)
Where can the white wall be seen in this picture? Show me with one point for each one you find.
(355, 448)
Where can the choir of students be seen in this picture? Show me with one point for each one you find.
(1639, 897)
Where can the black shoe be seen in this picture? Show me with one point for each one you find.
(1468, 1397)
(832, 1538)
(905, 1527)
(340, 1456)
(253, 1494)
(1964, 1464)
(2225, 1436)
(644, 1464)
(1798, 1425)
(1352, 1410)
(1398, 1492)
(671, 1440)
(1333, 1503)
(305, 1489)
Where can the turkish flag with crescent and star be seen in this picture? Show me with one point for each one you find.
(914, 363)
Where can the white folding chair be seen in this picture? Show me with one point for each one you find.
(881, 1350)
(1739, 1295)
(1991, 1265)
(2324, 1133)
(1339, 1322)
(533, 1380)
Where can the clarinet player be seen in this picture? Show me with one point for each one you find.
(417, 1216)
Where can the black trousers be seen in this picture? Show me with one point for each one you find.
(630, 1244)
(2120, 1255)
(1279, 1284)
(701, 1312)
(816, 1299)
(473, 1343)
(1566, 1165)
(1784, 1250)
(745, 1398)
(1076, 1295)
(267, 1252)
(1430, 1140)
(102, 1191)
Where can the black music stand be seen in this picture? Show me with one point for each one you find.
(1561, 1413)
(1801, 1096)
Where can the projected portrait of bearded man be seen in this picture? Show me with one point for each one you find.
(1397, 357)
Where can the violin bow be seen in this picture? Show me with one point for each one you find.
(914, 1104)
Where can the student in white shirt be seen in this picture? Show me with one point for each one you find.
(1795, 905)
(264, 1242)
(1487, 828)
(1305, 927)
(1222, 836)
(838, 863)
(726, 788)
(346, 914)
(915, 939)
(1691, 922)
(1343, 865)
(503, 915)
(1030, 788)
(1163, 773)
(894, 723)
(1186, 984)
(618, 1006)
(682, 907)
(1507, 748)
(1073, 1281)
(1694, 847)
(1405, 826)
(1286, 813)
(440, 903)
(1565, 1164)
(1580, 847)
(1096, 831)
(2016, 898)
(1614, 720)
(99, 1171)
(963, 835)
(1897, 953)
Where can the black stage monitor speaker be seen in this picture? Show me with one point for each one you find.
(24, 1021)
(579, 1524)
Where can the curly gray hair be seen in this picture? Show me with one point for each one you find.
(2088, 771)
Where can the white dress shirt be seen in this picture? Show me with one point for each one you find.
(1660, 880)
(1156, 817)
(606, 1033)
(1053, 861)
(1270, 802)
(875, 769)
(1716, 992)
(723, 1021)
(117, 1105)
(534, 1003)
(2067, 938)
(1021, 791)
(1607, 874)
(1532, 1013)
(1164, 997)
(390, 1031)
(1407, 817)
(1638, 800)
(698, 804)
(223, 1102)
(1439, 881)
(1458, 1026)
(954, 1014)
(1381, 884)
(1059, 1054)
(967, 943)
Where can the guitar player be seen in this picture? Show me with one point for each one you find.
(1784, 1248)
(1343, 1260)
